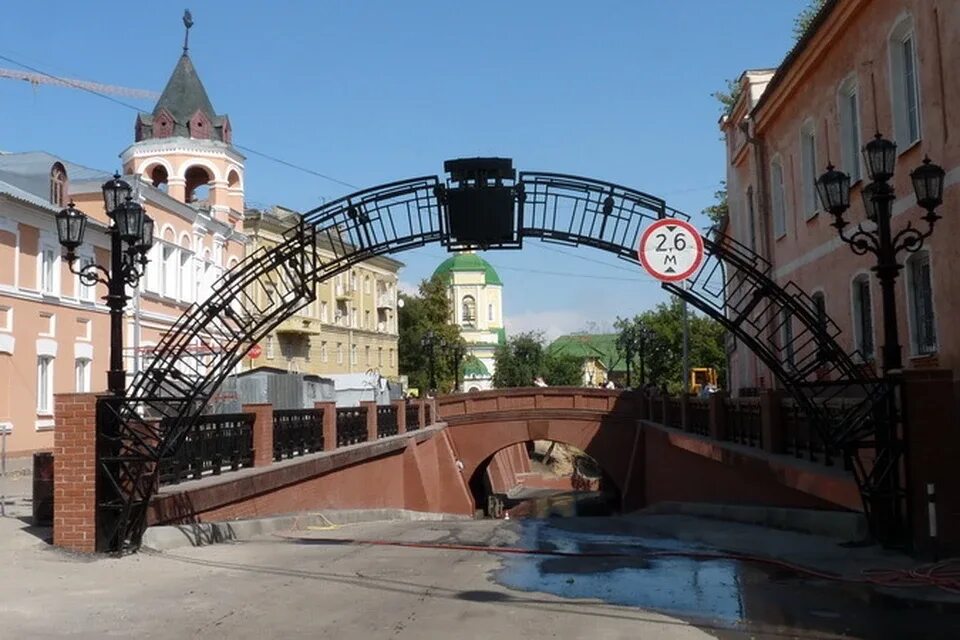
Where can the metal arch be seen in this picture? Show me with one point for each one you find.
(733, 286)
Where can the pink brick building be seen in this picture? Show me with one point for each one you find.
(863, 66)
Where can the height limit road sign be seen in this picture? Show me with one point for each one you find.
(671, 250)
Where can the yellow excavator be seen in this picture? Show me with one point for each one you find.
(700, 377)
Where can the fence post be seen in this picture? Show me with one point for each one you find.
(329, 424)
(718, 415)
(370, 406)
(400, 406)
(665, 416)
(421, 413)
(262, 433)
(771, 421)
(685, 412)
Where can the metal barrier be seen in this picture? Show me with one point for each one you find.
(743, 421)
(698, 416)
(801, 439)
(351, 426)
(387, 421)
(214, 443)
(413, 416)
(297, 432)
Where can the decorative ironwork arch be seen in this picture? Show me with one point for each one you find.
(734, 286)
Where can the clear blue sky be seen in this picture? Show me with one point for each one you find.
(370, 92)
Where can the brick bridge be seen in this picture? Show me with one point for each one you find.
(431, 455)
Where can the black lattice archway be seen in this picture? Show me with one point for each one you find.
(485, 205)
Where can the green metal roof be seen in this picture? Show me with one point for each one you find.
(468, 262)
(501, 335)
(474, 368)
(602, 347)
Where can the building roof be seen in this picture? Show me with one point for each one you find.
(470, 262)
(474, 368)
(25, 177)
(183, 97)
(602, 347)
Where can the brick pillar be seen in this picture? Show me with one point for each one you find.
(329, 424)
(400, 406)
(262, 433)
(422, 413)
(718, 415)
(932, 440)
(370, 406)
(74, 471)
(771, 420)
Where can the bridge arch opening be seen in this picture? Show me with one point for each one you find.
(483, 204)
(541, 479)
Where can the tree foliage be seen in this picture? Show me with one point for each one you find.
(430, 310)
(728, 98)
(719, 210)
(663, 348)
(805, 18)
(523, 358)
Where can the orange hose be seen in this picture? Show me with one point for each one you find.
(943, 575)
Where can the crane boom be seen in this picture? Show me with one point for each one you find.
(40, 78)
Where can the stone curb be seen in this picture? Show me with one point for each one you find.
(845, 525)
(163, 538)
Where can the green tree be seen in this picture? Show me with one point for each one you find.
(430, 310)
(523, 358)
(806, 17)
(663, 352)
(728, 98)
(719, 210)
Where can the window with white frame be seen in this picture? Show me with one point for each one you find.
(923, 325)
(905, 87)
(808, 169)
(490, 312)
(169, 278)
(45, 384)
(81, 370)
(48, 272)
(863, 317)
(353, 354)
(323, 352)
(779, 199)
(85, 292)
(339, 353)
(187, 279)
(848, 103)
(354, 317)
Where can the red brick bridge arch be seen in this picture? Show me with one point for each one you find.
(602, 423)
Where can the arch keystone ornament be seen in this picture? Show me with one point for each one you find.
(671, 250)
(484, 204)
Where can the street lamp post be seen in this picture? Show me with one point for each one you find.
(431, 342)
(131, 236)
(458, 350)
(833, 188)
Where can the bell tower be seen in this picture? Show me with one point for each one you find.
(184, 147)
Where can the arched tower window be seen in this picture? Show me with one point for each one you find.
(198, 181)
(159, 177)
(233, 180)
(58, 185)
(469, 311)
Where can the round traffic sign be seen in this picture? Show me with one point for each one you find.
(671, 250)
(255, 351)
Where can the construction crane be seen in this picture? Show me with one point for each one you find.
(41, 78)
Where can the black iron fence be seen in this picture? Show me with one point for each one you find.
(674, 417)
(387, 421)
(351, 426)
(297, 432)
(413, 416)
(698, 415)
(743, 421)
(215, 443)
(800, 438)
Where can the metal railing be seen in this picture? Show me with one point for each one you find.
(297, 432)
(674, 417)
(214, 443)
(698, 416)
(351, 426)
(743, 421)
(387, 421)
(801, 439)
(413, 416)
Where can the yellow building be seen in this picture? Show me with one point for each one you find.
(352, 325)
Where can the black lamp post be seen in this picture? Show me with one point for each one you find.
(833, 188)
(458, 350)
(131, 236)
(431, 342)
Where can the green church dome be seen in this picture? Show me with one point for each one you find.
(468, 262)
